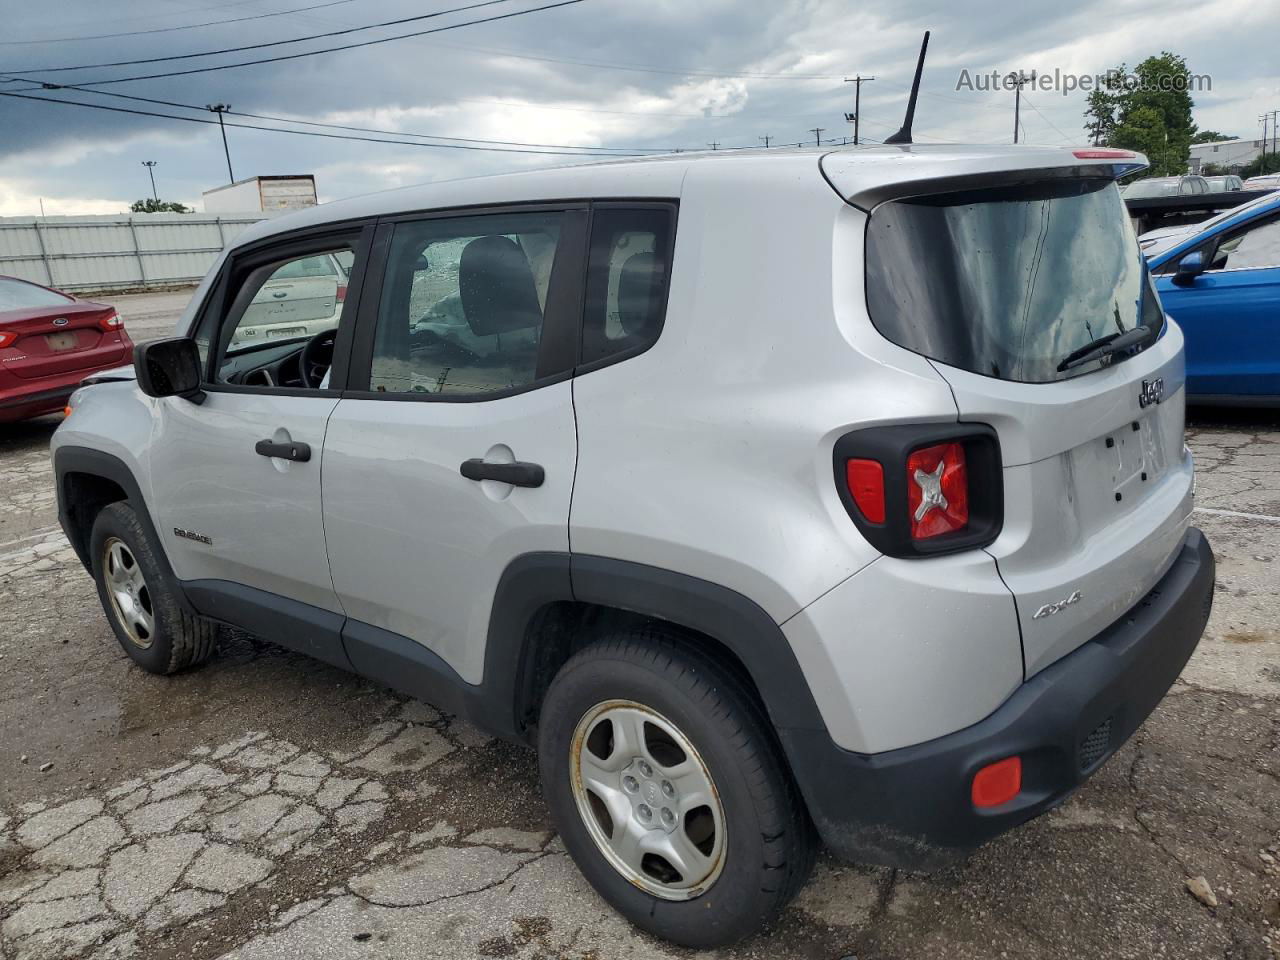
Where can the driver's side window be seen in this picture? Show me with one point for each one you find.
(277, 314)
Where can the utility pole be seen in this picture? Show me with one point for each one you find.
(853, 118)
(767, 138)
(1275, 132)
(1017, 99)
(151, 170)
(220, 109)
(1263, 120)
(817, 132)
(714, 145)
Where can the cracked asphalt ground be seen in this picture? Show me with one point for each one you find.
(268, 806)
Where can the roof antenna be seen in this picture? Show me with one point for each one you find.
(904, 135)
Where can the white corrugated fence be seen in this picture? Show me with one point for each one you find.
(116, 252)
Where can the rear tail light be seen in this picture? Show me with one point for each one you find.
(937, 491)
(916, 490)
(342, 293)
(866, 485)
(997, 783)
(111, 322)
(8, 338)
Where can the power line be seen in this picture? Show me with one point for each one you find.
(305, 133)
(1027, 101)
(339, 126)
(270, 43)
(188, 26)
(347, 46)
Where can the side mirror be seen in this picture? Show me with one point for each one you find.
(1189, 267)
(169, 368)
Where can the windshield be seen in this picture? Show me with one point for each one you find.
(1008, 282)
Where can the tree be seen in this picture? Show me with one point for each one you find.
(1265, 163)
(1211, 136)
(1148, 110)
(158, 206)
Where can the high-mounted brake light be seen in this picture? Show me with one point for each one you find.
(937, 490)
(866, 485)
(1104, 154)
(111, 322)
(8, 338)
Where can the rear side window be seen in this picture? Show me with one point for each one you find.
(463, 302)
(626, 297)
(1008, 282)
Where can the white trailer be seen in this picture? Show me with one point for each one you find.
(267, 194)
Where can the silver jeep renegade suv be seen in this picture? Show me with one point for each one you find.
(775, 497)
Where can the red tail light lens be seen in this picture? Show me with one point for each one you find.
(8, 338)
(342, 293)
(866, 485)
(997, 783)
(937, 490)
(111, 322)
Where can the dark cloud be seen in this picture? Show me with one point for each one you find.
(456, 84)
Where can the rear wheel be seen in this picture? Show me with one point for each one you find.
(669, 791)
(140, 600)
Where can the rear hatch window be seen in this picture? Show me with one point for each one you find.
(1009, 282)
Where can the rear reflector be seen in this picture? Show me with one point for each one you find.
(937, 490)
(1104, 154)
(111, 322)
(997, 783)
(8, 338)
(866, 485)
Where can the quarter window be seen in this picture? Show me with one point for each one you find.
(463, 304)
(626, 280)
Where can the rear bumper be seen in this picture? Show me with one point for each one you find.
(21, 399)
(911, 807)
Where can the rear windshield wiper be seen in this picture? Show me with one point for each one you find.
(1105, 347)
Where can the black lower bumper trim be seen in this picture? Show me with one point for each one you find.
(911, 807)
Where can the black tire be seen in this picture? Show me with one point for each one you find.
(178, 639)
(769, 845)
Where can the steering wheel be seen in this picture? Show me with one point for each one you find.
(316, 358)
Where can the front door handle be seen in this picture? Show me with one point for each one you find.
(517, 474)
(298, 452)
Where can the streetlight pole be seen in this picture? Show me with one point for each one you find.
(220, 109)
(151, 170)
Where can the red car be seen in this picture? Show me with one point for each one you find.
(49, 342)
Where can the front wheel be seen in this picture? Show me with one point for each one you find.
(669, 791)
(140, 600)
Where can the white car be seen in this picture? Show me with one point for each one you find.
(773, 496)
(300, 299)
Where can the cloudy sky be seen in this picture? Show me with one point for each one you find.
(597, 73)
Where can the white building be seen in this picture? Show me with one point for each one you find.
(267, 194)
(1230, 155)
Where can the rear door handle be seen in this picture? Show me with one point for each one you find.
(298, 452)
(517, 474)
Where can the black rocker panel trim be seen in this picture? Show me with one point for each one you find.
(298, 626)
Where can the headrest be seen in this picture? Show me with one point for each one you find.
(638, 284)
(496, 287)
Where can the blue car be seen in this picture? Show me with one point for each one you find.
(1220, 280)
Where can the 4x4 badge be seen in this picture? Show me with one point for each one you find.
(1049, 609)
(1152, 392)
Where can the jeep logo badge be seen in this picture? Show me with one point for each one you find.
(1152, 392)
